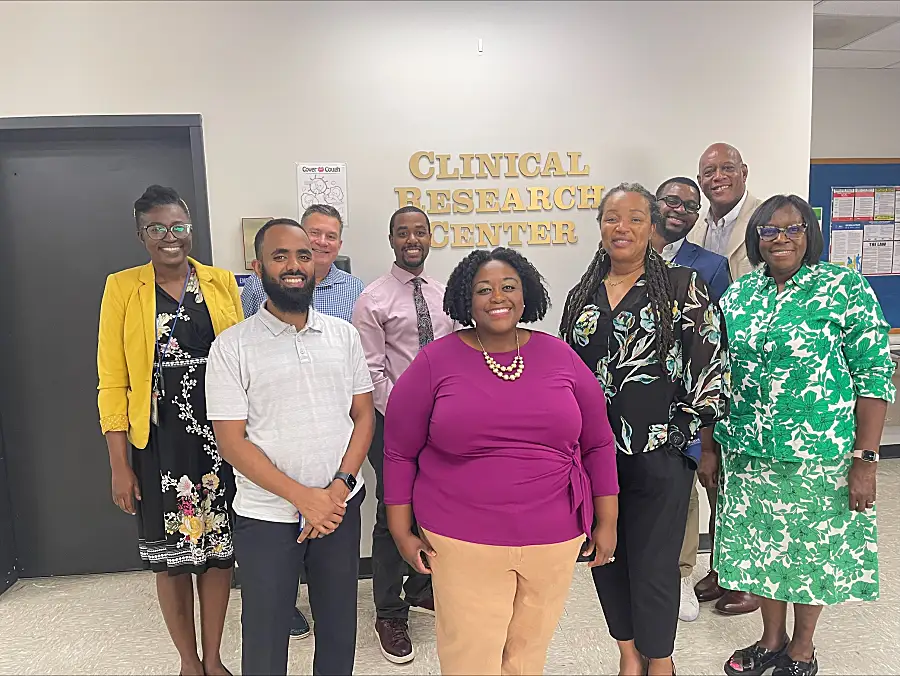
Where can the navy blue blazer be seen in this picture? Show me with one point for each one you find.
(712, 268)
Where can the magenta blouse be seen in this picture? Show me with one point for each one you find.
(495, 462)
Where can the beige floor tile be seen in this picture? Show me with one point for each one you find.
(110, 624)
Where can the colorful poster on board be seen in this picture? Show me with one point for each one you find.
(865, 229)
(846, 245)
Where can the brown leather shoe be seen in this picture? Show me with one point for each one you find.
(708, 588)
(737, 603)
(393, 637)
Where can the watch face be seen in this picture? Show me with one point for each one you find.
(869, 456)
(351, 481)
(676, 438)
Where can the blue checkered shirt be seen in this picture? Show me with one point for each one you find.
(335, 295)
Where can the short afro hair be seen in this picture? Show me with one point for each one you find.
(815, 242)
(458, 296)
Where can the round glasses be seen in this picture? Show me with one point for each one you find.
(159, 231)
(769, 233)
(673, 201)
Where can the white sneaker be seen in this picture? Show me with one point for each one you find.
(689, 609)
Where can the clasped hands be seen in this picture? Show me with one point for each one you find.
(322, 509)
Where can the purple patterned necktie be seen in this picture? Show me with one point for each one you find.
(423, 319)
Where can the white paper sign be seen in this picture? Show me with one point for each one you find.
(323, 183)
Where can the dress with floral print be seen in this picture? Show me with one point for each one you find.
(645, 397)
(800, 359)
(184, 523)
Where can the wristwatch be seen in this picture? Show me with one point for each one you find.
(348, 479)
(866, 456)
(677, 439)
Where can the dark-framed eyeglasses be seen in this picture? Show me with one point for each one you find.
(674, 201)
(769, 233)
(159, 231)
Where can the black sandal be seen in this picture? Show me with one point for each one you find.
(754, 660)
(789, 667)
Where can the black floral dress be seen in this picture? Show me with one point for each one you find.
(184, 522)
(643, 396)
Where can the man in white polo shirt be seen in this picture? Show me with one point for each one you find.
(290, 397)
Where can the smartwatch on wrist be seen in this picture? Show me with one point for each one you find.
(866, 456)
(676, 438)
(348, 479)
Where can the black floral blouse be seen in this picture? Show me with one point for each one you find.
(644, 397)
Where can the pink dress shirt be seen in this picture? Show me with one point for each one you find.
(385, 316)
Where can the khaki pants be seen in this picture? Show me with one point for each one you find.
(497, 607)
(691, 543)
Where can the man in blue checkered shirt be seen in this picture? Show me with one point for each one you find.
(336, 291)
(335, 294)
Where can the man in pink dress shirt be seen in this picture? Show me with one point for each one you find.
(396, 315)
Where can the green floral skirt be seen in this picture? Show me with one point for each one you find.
(785, 531)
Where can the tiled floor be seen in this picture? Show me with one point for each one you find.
(110, 624)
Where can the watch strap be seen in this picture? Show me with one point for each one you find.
(348, 479)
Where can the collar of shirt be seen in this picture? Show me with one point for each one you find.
(277, 327)
(671, 250)
(728, 218)
(803, 278)
(405, 276)
(335, 276)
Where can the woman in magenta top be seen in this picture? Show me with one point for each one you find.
(497, 438)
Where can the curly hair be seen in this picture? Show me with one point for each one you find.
(659, 287)
(458, 296)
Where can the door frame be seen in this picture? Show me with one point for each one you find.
(193, 123)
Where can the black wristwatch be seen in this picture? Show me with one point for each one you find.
(348, 479)
(677, 439)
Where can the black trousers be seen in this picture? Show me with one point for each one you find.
(388, 567)
(640, 590)
(270, 561)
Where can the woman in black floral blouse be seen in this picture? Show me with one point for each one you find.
(654, 340)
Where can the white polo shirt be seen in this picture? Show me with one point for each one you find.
(294, 389)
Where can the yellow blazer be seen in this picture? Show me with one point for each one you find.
(127, 340)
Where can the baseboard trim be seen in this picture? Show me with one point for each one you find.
(705, 544)
(890, 451)
(365, 568)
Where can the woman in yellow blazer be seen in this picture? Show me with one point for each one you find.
(157, 323)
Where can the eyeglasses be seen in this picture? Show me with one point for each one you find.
(769, 233)
(159, 231)
(673, 201)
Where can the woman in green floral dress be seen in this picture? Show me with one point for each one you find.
(811, 381)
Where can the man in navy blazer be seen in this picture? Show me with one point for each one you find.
(679, 201)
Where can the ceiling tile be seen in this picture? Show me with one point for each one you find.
(834, 32)
(887, 39)
(858, 7)
(846, 58)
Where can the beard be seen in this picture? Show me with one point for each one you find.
(289, 299)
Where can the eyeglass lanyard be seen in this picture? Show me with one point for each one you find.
(157, 379)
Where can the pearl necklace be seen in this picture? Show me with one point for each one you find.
(511, 372)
